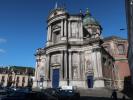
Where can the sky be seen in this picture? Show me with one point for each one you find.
(23, 25)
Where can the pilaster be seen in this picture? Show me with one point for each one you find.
(69, 29)
(62, 65)
(65, 28)
(65, 65)
(48, 67)
(62, 28)
(81, 30)
(70, 65)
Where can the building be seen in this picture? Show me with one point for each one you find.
(129, 13)
(73, 54)
(16, 76)
(118, 47)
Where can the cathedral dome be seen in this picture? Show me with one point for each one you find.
(89, 20)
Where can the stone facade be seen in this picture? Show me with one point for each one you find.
(118, 47)
(73, 54)
(16, 76)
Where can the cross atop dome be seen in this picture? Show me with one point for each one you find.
(56, 5)
(88, 12)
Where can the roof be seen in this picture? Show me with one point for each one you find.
(89, 20)
(113, 37)
(17, 70)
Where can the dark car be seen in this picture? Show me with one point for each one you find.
(3, 93)
(69, 95)
(16, 96)
(41, 96)
(53, 93)
(37, 96)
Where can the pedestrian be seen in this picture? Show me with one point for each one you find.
(114, 95)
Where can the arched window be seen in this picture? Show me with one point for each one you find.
(56, 37)
(121, 49)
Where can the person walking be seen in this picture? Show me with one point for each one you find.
(114, 95)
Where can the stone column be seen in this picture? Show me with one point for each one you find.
(94, 57)
(62, 66)
(80, 64)
(65, 28)
(70, 65)
(62, 28)
(83, 65)
(48, 67)
(69, 29)
(65, 65)
(99, 64)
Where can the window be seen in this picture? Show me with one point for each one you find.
(75, 59)
(74, 72)
(23, 80)
(74, 28)
(16, 84)
(3, 79)
(10, 78)
(94, 30)
(104, 61)
(17, 79)
(56, 37)
(121, 49)
(22, 84)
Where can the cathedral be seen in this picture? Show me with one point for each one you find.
(73, 55)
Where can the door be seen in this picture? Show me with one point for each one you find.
(90, 81)
(55, 78)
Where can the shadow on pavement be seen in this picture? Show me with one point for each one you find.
(97, 98)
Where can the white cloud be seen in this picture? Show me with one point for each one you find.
(2, 40)
(2, 51)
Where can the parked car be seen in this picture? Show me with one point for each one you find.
(41, 96)
(15, 96)
(69, 95)
(3, 93)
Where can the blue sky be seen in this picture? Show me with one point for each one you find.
(23, 25)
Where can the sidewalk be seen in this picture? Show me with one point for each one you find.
(99, 94)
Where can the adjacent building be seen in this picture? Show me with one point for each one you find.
(73, 54)
(16, 76)
(129, 13)
(118, 47)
